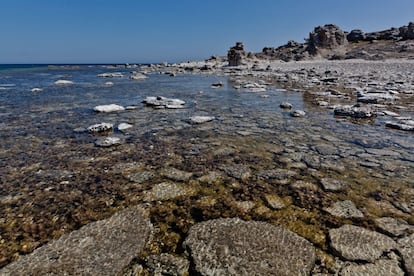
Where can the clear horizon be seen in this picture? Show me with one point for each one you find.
(105, 32)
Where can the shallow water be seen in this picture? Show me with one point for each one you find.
(54, 179)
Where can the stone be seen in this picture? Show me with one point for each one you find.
(355, 36)
(354, 111)
(237, 171)
(175, 174)
(298, 113)
(111, 75)
(326, 37)
(140, 177)
(407, 125)
(344, 209)
(108, 108)
(274, 201)
(407, 32)
(406, 248)
(333, 185)
(124, 126)
(63, 82)
(104, 247)
(166, 191)
(279, 174)
(101, 127)
(163, 102)
(109, 83)
(201, 119)
(379, 268)
(167, 264)
(355, 243)
(237, 247)
(394, 227)
(236, 54)
(137, 76)
(286, 105)
(37, 90)
(107, 142)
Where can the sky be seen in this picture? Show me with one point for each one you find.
(146, 31)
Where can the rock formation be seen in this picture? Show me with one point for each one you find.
(236, 54)
(326, 37)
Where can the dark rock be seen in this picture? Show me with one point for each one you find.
(326, 37)
(355, 243)
(104, 247)
(407, 32)
(236, 54)
(355, 35)
(237, 247)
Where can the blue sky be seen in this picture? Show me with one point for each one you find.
(119, 31)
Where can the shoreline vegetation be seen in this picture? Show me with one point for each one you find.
(255, 206)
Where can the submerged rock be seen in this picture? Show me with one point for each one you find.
(345, 209)
(406, 248)
(108, 142)
(111, 75)
(167, 264)
(201, 119)
(37, 90)
(166, 191)
(124, 126)
(108, 108)
(163, 102)
(104, 247)
(379, 268)
(286, 105)
(137, 76)
(355, 243)
(237, 247)
(298, 113)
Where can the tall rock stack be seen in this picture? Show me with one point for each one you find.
(407, 32)
(326, 37)
(236, 54)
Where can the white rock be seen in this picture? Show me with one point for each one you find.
(298, 113)
(37, 89)
(124, 126)
(286, 105)
(107, 141)
(201, 119)
(100, 127)
(137, 76)
(63, 82)
(109, 83)
(108, 108)
(163, 102)
(111, 75)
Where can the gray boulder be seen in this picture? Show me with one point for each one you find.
(326, 37)
(406, 248)
(407, 32)
(236, 54)
(355, 243)
(354, 111)
(355, 35)
(237, 247)
(104, 247)
(379, 268)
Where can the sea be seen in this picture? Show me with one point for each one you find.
(54, 178)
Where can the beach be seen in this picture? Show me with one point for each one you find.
(201, 150)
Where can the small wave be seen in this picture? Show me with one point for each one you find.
(7, 85)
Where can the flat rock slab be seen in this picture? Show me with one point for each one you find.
(379, 268)
(394, 227)
(333, 185)
(355, 243)
(100, 248)
(166, 191)
(237, 247)
(344, 209)
(108, 108)
(406, 248)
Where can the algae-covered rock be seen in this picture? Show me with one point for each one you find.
(359, 244)
(104, 247)
(237, 247)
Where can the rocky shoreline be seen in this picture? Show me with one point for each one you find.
(299, 212)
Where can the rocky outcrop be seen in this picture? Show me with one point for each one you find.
(237, 247)
(104, 247)
(236, 54)
(355, 35)
(407, 32)
(326, 37)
